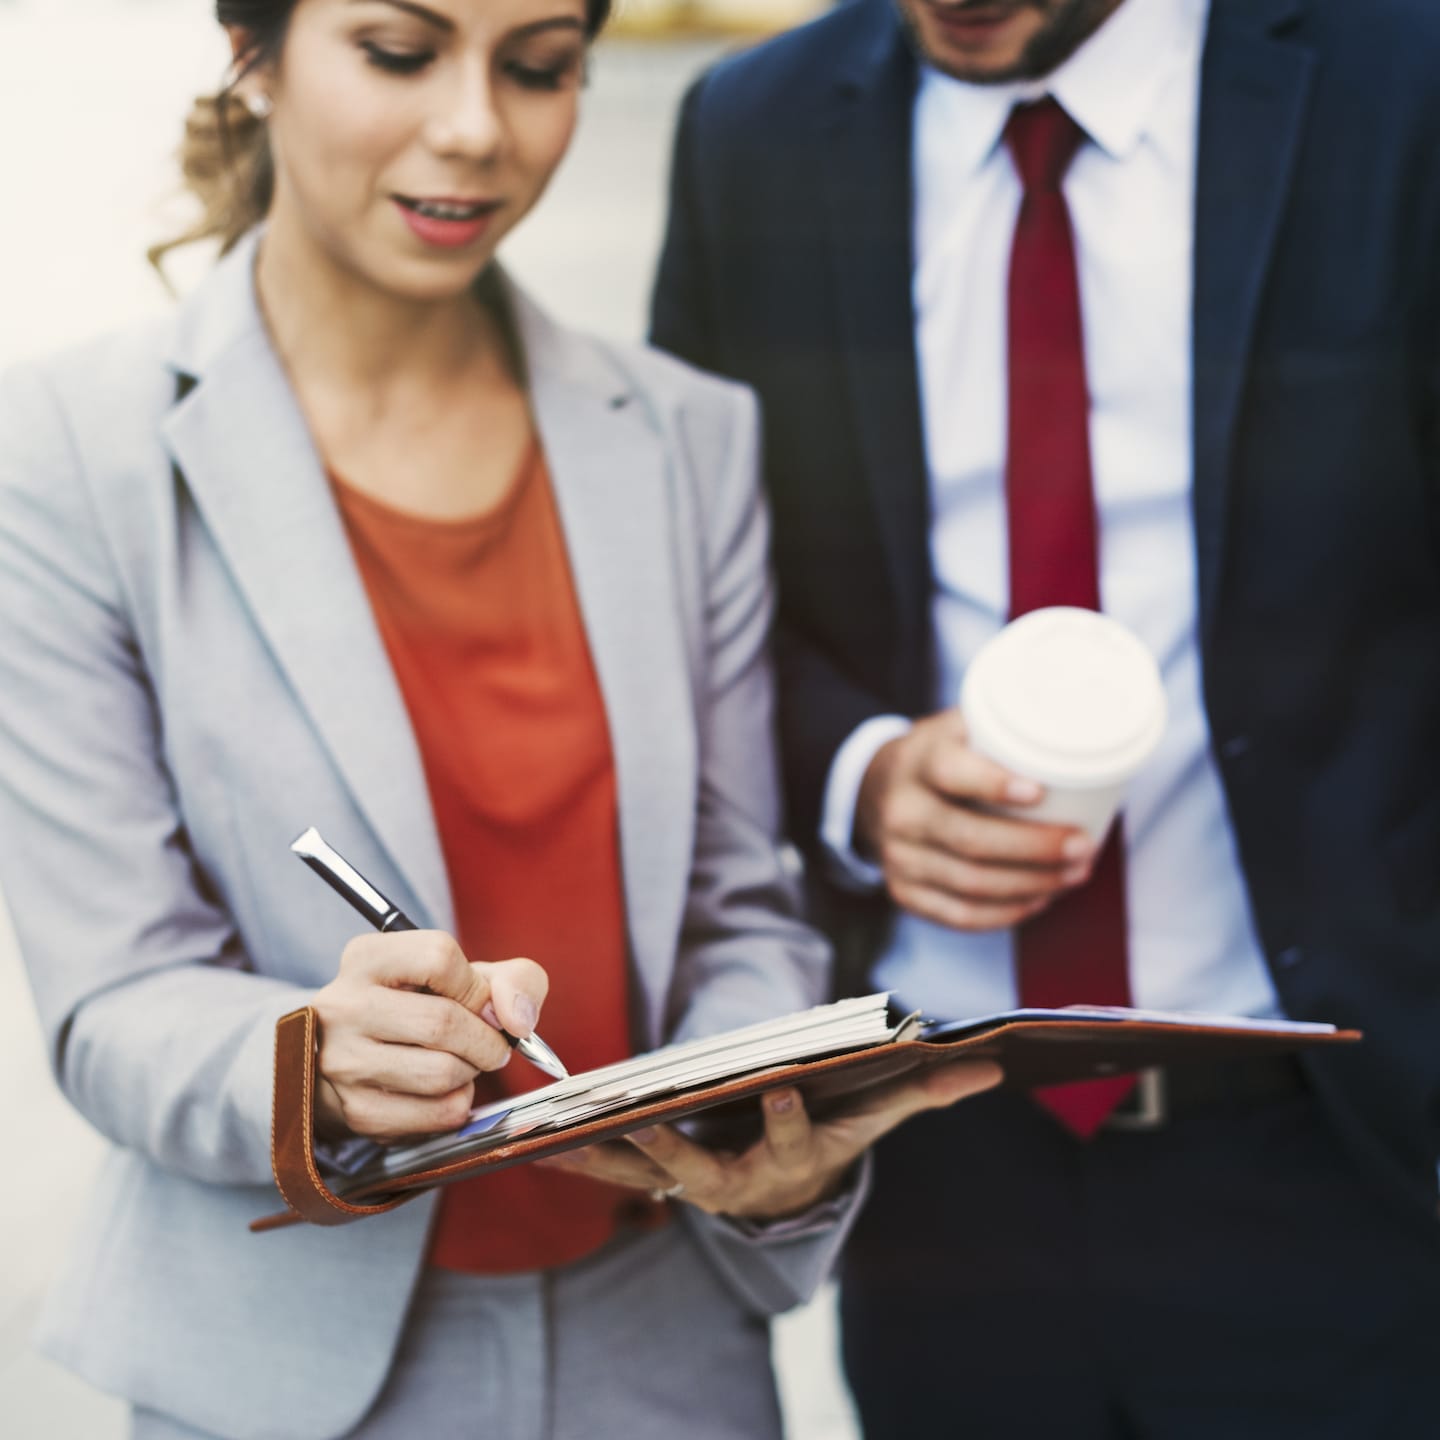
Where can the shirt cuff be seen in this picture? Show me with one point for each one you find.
(842, 790)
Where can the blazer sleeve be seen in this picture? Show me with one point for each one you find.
(744, 952)
(157, 1031)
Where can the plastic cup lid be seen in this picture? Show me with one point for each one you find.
(1065, 697)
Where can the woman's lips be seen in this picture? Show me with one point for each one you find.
(447, 224)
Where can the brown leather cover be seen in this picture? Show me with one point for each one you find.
(1031, 1052)
(292, 1133)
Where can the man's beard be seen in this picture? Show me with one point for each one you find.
(1066, 29)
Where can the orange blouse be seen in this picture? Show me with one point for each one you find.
(484, 632)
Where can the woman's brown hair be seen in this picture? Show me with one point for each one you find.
(225, 154)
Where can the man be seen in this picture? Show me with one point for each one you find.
(1175, 269)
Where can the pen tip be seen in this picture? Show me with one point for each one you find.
(305, 844)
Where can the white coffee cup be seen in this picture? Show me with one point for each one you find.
(1072, 700)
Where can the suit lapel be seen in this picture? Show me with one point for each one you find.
(608, 472)
(1254, 88)
(868, 185)
(242, 448)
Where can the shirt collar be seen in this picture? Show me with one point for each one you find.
(1113, 86)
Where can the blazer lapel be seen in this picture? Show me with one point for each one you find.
(608, 472)
(242, 448)
(1254, 87)
(868, 188)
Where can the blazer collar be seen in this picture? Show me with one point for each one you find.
(223, 315)
(867, 63)
(242, 448)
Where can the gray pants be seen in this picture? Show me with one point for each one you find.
(641, 1342)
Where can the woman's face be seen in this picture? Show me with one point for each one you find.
(410, 137)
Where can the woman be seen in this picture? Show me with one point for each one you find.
(359, 538)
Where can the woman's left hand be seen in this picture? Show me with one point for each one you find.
(793, 1166)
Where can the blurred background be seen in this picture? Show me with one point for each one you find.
(92, 96)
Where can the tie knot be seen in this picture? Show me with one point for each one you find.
(1043, 140)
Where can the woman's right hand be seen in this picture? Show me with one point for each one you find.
(405, 1028)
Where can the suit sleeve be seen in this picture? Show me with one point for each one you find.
(157, 1032)
(821, 707)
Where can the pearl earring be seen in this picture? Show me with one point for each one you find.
(259, 106)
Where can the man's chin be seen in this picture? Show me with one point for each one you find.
(974, 51)
(975, 71)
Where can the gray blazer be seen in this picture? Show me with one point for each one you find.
(190, 674)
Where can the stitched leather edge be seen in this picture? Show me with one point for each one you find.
(300, 1184)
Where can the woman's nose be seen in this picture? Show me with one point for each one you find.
(467, 122)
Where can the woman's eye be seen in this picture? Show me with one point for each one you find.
(396, 62)
(541, 77)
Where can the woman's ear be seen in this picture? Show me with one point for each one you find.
(249, 82)
(242, 44)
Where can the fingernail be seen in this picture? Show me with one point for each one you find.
(527, 1011)
(645, 1137)
(1078, 847)
(782, 1103)
(1075, 874)
(1023, 792)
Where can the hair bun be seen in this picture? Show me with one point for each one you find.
(225, 161)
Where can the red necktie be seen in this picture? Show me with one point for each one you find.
(1074, 951)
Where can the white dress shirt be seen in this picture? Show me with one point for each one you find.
(1133, 87)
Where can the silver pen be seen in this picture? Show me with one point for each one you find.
(347, 881)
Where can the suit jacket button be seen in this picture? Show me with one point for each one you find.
(1236, 747)
(1290, 957)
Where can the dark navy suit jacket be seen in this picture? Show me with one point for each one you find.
(1316, 468)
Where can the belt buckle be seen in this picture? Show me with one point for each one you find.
(1149, 1110)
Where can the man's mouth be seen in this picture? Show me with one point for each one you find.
(974, 12)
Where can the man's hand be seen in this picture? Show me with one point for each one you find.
(919, 816)
(405, 1028)
(794, 1165)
